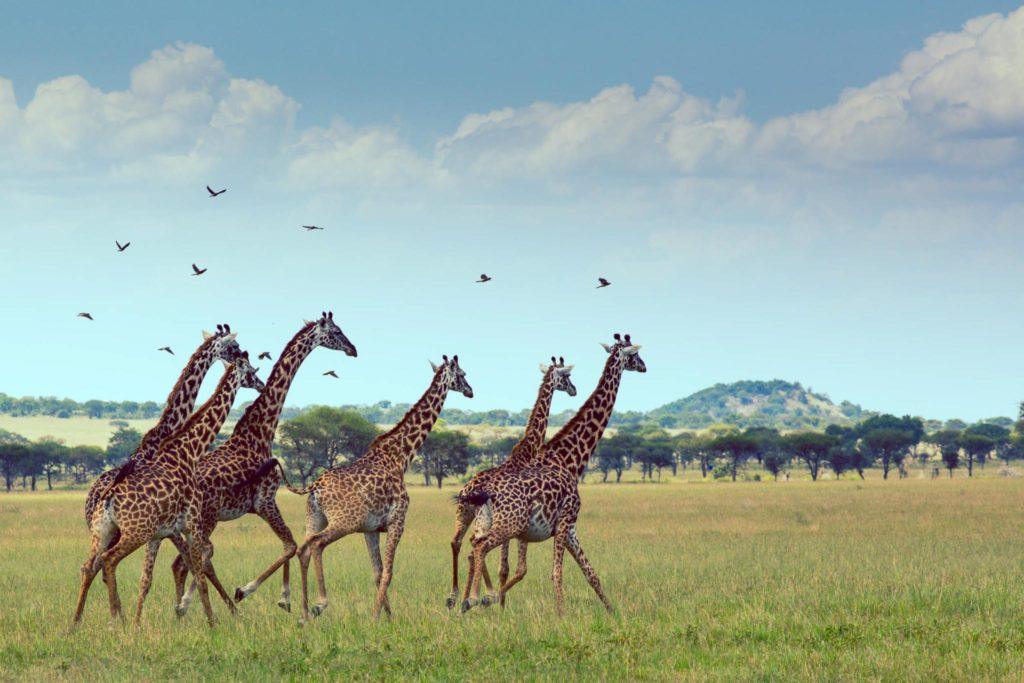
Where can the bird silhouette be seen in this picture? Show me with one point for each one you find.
(196, 270)
(604, 283)
(331, 373)
(265, 356)
(484, 277)
(215, 194)
(311, 228)
(85, 315)
(167, 349)
(122, 247)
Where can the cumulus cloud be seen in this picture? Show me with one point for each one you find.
(956, 103)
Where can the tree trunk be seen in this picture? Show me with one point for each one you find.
(970, 466)
(426, 477)
(885, 468)
(950, 472)
(439, 478)
(734, 470)
(618, 476)
(33, 482)
(49, 482)
(604, 476)
(860, 471)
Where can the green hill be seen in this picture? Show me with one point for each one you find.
(752, 403)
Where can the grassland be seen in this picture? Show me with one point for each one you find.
(897, 580)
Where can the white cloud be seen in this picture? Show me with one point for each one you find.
(951, 112)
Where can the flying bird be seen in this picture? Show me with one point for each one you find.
(265, 356)
(331, 373)
(214, 194)
(196, 270)
(85, 315)
(167, 349)
(122, 247)
(311, 228)
(604, 283)
(484, 277)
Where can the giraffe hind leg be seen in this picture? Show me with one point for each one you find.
(574, 548)
(464, 514)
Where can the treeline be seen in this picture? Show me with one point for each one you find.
(66, 407)
(886, 442)
(323, 437)
(48, 459)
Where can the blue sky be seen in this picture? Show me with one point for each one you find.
(775, 190)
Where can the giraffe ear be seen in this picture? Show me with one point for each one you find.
(606, 347)
(432, 366)
(630, 350)
(206, 335)
(565, 370)
(230, 337)
(543, 368)
(307, 322)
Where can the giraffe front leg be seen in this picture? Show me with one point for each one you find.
(561, 536)
(395, 528)
(481, 546)
(520, 573)
(146, 581)
(196, 544)
(373, 547)
(573, 544)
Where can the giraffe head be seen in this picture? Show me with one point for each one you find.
(628, 352)
(328, 335)
(452, 377)
(248, 377)
(224, 345)
(562, 372)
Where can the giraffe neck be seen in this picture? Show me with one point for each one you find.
(180, 401)
(187, 444)
(259, 423)
(574, 443)
(403, 441)
(524, 451)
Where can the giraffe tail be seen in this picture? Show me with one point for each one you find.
(122, 473)
(265, 469)
(473, 496)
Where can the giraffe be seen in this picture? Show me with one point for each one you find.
(235, 479)
(543, 501)
(180, 403)
(369, 494)
(555, 377)
(151, 501)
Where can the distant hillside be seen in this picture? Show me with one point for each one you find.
(748, 403)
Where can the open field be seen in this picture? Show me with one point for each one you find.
(912, 579)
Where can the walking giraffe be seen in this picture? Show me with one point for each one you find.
(154, 500)
(543, 501)
(180, 403)
(369, 494)
(234, 479)
(556, 377)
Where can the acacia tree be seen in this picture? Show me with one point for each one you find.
(774, 461)
(445, 453)
(614, 453)
(811, 447)
(735, 448)
(322, 437)
(13, 451)
(948, 441)
(888, 438)
(654, 454)
(123, 443)
(976, 447)
(49, 454)
(999, 437)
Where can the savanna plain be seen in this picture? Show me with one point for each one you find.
(913, 579)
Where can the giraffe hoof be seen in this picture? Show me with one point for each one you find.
(451, 602)
(317, 610)
(179, 611)
(466, 605)
(485, 601)
(239, 595)
(285, 605)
